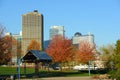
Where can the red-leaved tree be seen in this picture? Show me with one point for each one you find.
(60, 49)
(5, 49)
(85, 52)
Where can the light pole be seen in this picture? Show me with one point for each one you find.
(89, 67)
(18, 56)
(19, 68)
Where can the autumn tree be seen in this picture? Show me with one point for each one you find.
(60, 49)
(107, 55)
(85, 52)
(34, 45)
(16, 48)
(5, 47)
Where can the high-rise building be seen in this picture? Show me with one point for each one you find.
(56, 30)
(32, 29)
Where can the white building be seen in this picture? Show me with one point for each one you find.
(56, 30)
(78, 37)
(15, 47)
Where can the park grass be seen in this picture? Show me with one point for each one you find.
(14, 70)
(7, 70)
(42, 73)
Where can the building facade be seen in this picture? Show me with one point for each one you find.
(16, 46)
(56, 30)
(32, 29)
(78, 37)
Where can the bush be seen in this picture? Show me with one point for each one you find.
(99, 71)
(115, 74)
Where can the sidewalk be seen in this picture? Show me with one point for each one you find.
(62, 78)
(68, 78)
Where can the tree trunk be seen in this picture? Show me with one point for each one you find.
(25, 68)
(36, 67)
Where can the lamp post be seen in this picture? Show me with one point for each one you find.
(18, 56)
(18, 68)
(89, 67)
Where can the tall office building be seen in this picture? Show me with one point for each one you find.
(32, 29)
(56, 30)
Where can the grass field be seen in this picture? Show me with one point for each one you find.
(42, 73)
(13, 70)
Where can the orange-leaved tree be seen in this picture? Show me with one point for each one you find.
(33, 45)
(5, 46)
(85, 52)
(60, 49)
(5, 49)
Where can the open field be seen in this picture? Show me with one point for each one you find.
(45, 74)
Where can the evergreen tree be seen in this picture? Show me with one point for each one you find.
(117, 59)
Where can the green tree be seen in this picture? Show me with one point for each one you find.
(117, 55)
(117, 59)
(107, 55)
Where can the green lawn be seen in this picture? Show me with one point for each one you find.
(13, 70)
(42, 73)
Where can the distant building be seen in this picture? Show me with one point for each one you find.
(18, 37)
(56, 30)
(16, 46)
(8, 34)
(78, 37)
(32, 29)
(46, 43)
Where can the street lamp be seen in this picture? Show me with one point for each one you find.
(89, 67)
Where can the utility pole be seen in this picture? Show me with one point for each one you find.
(89, 67)
(18, 68)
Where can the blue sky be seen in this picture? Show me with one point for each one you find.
(100, 17)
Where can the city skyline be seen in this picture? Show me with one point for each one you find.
(101, 18)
